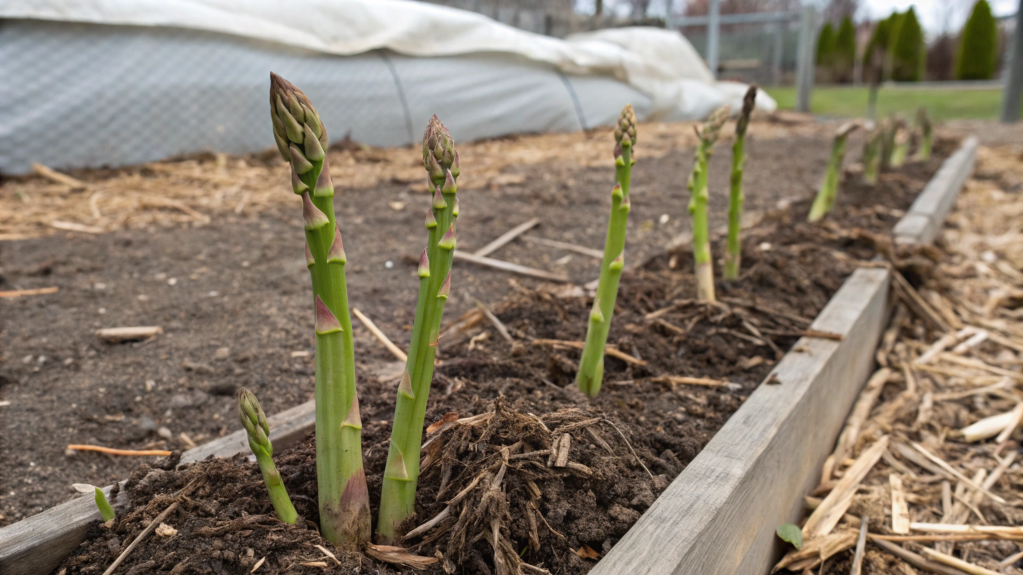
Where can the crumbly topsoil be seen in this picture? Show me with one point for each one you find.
(530, 495)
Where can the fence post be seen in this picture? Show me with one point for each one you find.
(1013, 92)
(805, 63)
(779, 47)
(713, 33)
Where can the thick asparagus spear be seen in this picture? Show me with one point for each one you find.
(923, 121)
(872, 155)
(344, 499)
(733, 256)
(591, 365)
(698, 204)
(828, 192)
(254, 421)
(401, 475)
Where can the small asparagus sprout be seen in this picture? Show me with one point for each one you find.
(733, 256)
(591, 365)
(698, 199)
(828, 193)
(105, 509)
(889, 127)
(901, 149)
(923, 121)
(401, 474)
(254, 421)
(343, 497)
(872, 155)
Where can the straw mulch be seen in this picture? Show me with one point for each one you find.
(200, 189)
(929, 459)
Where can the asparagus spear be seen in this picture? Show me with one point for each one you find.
(698, 204)
(254, 421)
(828, 193)
(872, 155)
(890, 126)
(344, 499)
(591, 365)
(734, 254)
(923, 121)
(901, 149)
(401, 473)
(105, 510)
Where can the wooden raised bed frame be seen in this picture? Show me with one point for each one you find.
(719, 515)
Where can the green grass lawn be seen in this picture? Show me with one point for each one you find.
(941, 103)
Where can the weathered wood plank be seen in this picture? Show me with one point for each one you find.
(720, 513)
(924, 219)
(39, 543)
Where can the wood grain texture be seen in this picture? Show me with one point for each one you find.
(36, 545)
(924, 219)
(719, 515)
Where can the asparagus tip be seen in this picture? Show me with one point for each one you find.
(438, 200)
(354, 417)
(405, 387)
(445, 288)
(448, 241)
(324, 185)
(424, 264)
(297, 185)
(748, 102)
(336, 254)
(309, 260)
(314, 218)
(396, 465)
(596, 316)
(325, 320)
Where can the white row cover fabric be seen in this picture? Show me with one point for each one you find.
(658, 63)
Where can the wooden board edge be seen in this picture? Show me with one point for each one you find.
(925, 218)
(37, 544)
(705, 522)
(709, 518)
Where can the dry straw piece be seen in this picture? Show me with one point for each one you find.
(947, 400)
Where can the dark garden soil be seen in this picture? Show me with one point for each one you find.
(523, 488)
(232, 299)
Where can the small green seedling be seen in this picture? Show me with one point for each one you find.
(791, 534)
(106, 511)
(258, 430)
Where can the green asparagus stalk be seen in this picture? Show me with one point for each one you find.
(901, 149)
(828, 192)
(591, 365)
(698, 199)
(254, 421)
(401, 474)
(105, 510)
(733, 256)
(872, 155)
(923, 121)
(890, 126)
(344, 499)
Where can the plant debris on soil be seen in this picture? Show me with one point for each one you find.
(522, 474)
(231, 296)
(928, 463)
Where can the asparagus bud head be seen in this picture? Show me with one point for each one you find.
(295, 122)
(748, 102)
(254, 421)
(625, 129)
